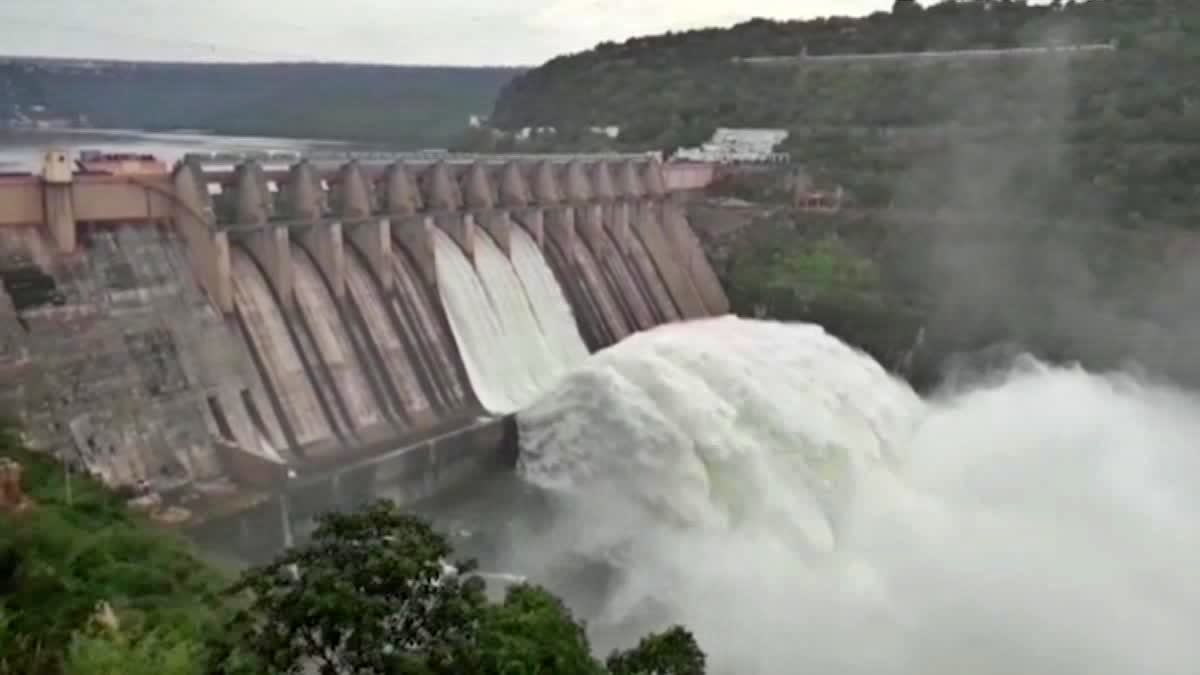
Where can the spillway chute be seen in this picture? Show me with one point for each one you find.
(401, 358)
(268, 334)
(332, 343)
(515, 342)
(554, 314)
(414, 309)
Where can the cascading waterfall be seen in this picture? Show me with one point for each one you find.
(550, 306)
(802, 511)
(532, 354)
(487, 352)
(513, 326)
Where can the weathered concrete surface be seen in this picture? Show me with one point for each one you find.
(406, 475)
(591, 220)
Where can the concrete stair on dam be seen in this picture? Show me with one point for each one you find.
(275, 328)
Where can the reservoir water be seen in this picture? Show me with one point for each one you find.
(22, 150)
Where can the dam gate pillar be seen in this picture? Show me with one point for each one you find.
(326, 245)
(499, 226)
(207, 247)
(57, 179)
(415, 234)
(272, 247)
(374, 239)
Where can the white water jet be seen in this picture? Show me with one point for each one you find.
(803, 512)
(486, 351)
(513, 341)
(555, 318)
(530, 351)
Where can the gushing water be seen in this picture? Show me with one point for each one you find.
(487, 352)
(550, 306)
(803, 512)
(529, 350)
(511, 355)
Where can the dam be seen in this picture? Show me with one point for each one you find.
(245, 344)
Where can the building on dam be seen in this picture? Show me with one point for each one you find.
(242, 339)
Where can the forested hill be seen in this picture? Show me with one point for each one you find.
(679, 85)
(397, 104)
(1112, 135)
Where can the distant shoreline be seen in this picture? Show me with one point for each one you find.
(172, 134)
(22, 149)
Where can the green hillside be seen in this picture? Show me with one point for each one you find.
(413, 106)
(1076, 136)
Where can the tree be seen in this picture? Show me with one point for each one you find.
(673, 652)
(156, 653)
(373, 594)
(530, 632)
(369, 594)
(61, 560)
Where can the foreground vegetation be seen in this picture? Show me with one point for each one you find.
(88, 588)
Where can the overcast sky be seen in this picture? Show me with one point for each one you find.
(455, 32)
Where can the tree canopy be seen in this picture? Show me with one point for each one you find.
(376, 592)
(89, 588)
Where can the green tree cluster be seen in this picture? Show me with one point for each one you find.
(88, 588)
(79, 550)
(376, 593)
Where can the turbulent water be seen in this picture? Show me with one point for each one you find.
(803, 512)
(554, 315)
(512, 352)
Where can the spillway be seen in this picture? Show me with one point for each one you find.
(802, 511)
(268, 337)
(401, 360)
(533, 358)
(509, 357)
(554, 316)
(626, 289)
(332, 343)
(608, 306)
(490, 356)
(641, 264)
(414, 308)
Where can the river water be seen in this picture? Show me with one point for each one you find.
(23, 150)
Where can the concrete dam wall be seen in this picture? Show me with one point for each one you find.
(223, 336)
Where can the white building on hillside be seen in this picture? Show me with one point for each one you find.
(738, 145)
(611, 131)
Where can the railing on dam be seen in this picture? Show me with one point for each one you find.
(231, 333)
(210, 160)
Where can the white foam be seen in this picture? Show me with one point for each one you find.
(515, 343)
(555, 318)
(801, 511)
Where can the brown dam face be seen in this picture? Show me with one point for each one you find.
(318, 342)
